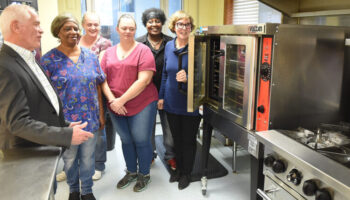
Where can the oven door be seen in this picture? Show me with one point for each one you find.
(274, 191)
(238, 66)
(197, 61)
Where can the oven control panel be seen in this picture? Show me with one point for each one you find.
(298, 182)
(263, 100)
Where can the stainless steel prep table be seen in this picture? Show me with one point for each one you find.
(28, 173)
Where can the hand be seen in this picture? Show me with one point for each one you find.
(160, 104)
(72, 124)
(118, 106)
(79, 135)
(181, 76)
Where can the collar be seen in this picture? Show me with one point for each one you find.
(24, 53)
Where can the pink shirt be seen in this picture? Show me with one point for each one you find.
(121, 74)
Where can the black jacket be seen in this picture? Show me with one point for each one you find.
(27, 116)
(158, 56)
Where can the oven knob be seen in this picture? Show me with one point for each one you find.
(294, 176)
(323, 194)
(309, 187)
(278, 166)
(268, 161)
(261, 109)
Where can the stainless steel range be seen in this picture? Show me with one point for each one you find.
(303, 164)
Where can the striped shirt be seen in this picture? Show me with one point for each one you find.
(29, 58)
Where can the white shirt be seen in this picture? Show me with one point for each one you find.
(29, 58)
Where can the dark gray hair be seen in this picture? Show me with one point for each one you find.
(60, 20)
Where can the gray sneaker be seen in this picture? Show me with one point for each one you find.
(142, 182)
(126, 180)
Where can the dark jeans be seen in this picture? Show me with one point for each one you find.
(184, 129)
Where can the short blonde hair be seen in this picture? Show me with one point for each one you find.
(11, 13)
(60, 20)
(178, 15)
(90, 14)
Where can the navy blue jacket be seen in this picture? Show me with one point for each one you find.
(174, 101)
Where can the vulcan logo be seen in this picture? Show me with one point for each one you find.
(255, 29)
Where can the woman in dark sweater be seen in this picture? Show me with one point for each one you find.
(153, 19)
(183, 125)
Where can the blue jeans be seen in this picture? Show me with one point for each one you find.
(168, 141)
(135, 133)
(101, 150)
(79, 163)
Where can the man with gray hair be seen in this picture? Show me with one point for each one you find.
(30, 110)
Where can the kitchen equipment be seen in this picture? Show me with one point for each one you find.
(302, 171)
(265, 76)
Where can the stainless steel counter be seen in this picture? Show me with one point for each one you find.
(28, 173)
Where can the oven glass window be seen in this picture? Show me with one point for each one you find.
(234, 78)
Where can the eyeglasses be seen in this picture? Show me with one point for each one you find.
(183, 26)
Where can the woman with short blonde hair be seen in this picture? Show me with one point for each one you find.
(183, 125)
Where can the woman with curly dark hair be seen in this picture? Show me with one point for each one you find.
(153, 19)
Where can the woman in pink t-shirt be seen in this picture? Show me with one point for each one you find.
(129, 67)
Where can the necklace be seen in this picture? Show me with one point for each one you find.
(154, 44)
(125, 52)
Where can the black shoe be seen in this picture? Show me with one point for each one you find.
(174, 176)
(74, 196)
(184, 181)
(127, 179)
(89, 196)
(142, 182)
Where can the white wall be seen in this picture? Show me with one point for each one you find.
(48, 10)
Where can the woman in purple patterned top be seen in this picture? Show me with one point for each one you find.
(75, 72)
(97, 44)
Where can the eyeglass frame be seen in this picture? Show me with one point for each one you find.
(180, 25)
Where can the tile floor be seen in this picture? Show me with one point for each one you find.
(234, 186)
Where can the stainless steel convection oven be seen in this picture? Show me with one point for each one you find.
(259, 77)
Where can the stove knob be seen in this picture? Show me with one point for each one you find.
(278, 166)
(268, 161)
(309, 187)
(323, 194)
(294, 176)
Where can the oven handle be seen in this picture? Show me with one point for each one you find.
(262, 194)
(180, 84)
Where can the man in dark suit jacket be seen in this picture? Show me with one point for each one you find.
(30, 110)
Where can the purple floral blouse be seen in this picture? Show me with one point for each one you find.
(76, 84)
(100, 45)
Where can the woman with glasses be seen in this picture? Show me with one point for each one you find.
(129, 67)
(153, 19)
(183, 125)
